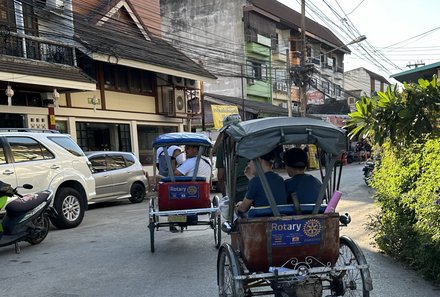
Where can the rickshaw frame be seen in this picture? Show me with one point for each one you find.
(240, 271)
(180, 139)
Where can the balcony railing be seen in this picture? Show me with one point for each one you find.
(36, 48)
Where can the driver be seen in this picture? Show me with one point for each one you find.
(187, 168)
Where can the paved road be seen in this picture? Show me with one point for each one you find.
(108, 255)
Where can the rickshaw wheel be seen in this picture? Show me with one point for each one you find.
(216, 223)
(227, 270)
(152, 224)
(352, 282)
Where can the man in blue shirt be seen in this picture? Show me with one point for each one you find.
(305, 186)
(255, 195)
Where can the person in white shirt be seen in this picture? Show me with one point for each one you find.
(176, 155)
(187, 168)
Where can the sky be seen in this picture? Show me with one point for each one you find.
(398, 32)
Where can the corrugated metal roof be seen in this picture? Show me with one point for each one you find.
(413, 75)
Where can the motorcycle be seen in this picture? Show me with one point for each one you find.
(368, 171)
(26, 218)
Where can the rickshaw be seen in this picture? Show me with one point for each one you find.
(288, 250)
(180, 200)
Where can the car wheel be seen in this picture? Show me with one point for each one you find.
(137, 192)
(70, 208)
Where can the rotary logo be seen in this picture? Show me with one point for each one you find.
(192, 190)
(312, 228)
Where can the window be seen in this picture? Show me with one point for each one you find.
(98, 164)
(115, 162)
(68, 144)
(129, 160)
(109, 77)
(26, 149)
(2, 155)
(7, 15)
(125, 79)
(146, 136)
(376, 85)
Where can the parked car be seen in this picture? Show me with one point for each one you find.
(47, 159)
(118, 175)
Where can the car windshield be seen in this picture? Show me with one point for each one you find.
(68, 144)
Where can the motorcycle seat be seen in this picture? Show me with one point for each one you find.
(26, 203)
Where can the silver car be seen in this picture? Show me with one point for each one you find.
(117, 175)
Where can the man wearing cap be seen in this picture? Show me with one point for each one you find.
(242, 181)
(255, 195)
(305, 186)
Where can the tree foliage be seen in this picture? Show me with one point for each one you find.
(405, 125)
(398, 116)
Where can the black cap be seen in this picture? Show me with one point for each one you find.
(295, 158)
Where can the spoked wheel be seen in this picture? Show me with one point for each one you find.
(152, 224)
(227, 270)
(42, 225)
(352, 282)
(216, 221)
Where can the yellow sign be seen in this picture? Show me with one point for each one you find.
(220, 111)
(313, 161)
(52, 121)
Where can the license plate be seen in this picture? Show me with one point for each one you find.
(177, 219)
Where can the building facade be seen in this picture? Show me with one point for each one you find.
(98, 71)
(254, 48)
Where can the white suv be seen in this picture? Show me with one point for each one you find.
(48, 160)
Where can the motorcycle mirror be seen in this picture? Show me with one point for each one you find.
(28, 186)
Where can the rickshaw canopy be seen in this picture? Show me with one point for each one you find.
(257, 137)
(182, 138)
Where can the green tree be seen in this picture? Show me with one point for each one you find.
(398, 116)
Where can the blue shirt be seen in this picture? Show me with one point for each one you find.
(256, 192)
(305, 186)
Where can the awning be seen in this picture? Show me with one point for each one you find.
(251, 106)
(62, 77)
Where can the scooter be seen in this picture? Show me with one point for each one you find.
(26, 218)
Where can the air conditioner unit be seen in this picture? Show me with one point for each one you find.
(47, 98)
(191, 83)
(180, 102)
(178, 81)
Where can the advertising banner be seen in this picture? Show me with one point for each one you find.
(220, 111)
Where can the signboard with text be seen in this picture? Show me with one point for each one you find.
(220, 111)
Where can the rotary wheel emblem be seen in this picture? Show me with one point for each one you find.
(312, 228)
(192, 190)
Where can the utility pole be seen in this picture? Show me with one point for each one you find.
(302, 91)
(289, 85)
